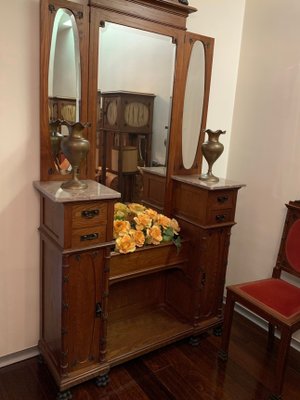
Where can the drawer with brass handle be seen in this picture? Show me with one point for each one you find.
(220, 216)
(222, 200)
(89, 214)
(88, 236)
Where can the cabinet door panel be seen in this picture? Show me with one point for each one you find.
(82, 294)
(213, 261)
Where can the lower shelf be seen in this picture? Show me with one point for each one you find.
(139, 334)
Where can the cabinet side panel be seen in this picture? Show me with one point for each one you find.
(154, 190)
(51, 298)
(53, 219)
(190, 203)
(213, 263)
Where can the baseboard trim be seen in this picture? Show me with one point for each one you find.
(261, 322)
(18, 356)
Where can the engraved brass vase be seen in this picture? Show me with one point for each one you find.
(211, 150)
(75, 147)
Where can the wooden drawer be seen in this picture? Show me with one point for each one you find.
(220, 216)
(89, 214)
(88, 236)
(222, 200)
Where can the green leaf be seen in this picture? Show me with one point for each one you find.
(118, 218)
(177, 242)
(167, 238)
(169, 232)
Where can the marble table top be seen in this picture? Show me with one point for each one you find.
(94, 191)
(195, 181)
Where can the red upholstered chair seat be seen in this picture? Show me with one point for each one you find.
(277, 294)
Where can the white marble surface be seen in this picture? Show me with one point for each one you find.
(161, 171)
(94, 191)
(195, 181)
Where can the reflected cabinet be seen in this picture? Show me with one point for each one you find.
(125, 137)
(138, 82)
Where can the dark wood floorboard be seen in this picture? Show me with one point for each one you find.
(176, 372)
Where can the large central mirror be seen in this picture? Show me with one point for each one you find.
(135, 89)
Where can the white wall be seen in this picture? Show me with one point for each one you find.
(19, 166)
(64, 71)
(222, 20)
(265, 141)
(140, 62)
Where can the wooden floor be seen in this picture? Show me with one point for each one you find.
(177, 372)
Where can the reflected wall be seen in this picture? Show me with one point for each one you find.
(141, 62)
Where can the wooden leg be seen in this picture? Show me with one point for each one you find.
(102, 380)
(194, 340)
(275, 397)
(282, 356)
(66, 395)
(217, 331)
(228, 315)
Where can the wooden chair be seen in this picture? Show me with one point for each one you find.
(274, 299)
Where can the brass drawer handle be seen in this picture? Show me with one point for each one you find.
(220, 218)
(89, 213)
(90, 236)
(222, 199)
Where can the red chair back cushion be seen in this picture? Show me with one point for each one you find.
(292, 246)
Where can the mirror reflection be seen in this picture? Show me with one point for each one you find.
(193, 105)
(64, 83)
(135, 85)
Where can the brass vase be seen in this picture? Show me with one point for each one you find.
(211, 150)
(75, 148)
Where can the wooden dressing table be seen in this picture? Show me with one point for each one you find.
(100, 308)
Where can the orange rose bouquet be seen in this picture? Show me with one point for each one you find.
(136, 226)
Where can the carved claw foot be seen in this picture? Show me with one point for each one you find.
(218, 330)
(65, 395)
(275, 397)
(102, 380)
(194, 340)
(223, 355)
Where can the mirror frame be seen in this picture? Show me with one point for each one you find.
(99, 17)
(208, 45)
(166, 17)
(48, 10)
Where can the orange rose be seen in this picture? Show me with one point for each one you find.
(136, 208)
(142, 221)
(125, 244)
(138, 237)
(120, 215)
(163, 220)
(154, 235)
(121, 207)
(121, 228)
(152, 214)
(174, 225)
